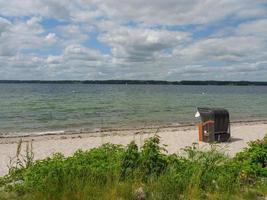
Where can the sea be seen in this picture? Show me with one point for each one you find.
(37, 108)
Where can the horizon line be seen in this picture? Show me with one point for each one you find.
(151, 82)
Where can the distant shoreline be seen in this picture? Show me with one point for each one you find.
(141, 82)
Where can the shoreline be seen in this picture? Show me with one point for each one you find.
(174, 137)
(113, 129)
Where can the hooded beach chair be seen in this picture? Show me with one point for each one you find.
(215, 124)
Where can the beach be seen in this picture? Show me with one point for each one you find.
(174, 137)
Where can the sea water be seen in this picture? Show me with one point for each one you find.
(45, 108)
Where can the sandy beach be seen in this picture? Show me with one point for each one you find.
(175, 137)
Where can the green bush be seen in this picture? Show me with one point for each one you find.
(152, 160)
(115, 172)
(254, 158)
(130, 161)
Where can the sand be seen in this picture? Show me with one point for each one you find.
(175, 137)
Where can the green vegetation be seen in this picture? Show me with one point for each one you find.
(115, 172)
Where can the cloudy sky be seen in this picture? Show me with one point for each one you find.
(133, 39)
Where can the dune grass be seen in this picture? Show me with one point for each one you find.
(117, 172)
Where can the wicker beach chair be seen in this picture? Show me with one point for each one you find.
(215, 125)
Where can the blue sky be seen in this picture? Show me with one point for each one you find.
(134, 39)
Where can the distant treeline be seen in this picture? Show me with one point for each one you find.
(139, 82)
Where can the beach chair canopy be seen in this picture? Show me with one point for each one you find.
(220, 116)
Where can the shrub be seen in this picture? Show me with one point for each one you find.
(130, 161)
(253, 159)
(152, 160)
(114, 172)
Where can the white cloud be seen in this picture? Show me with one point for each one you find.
(255, 28)
(54, 59)
(73, 34)
(4, 25)
(21, 35)
(181, 12)
(78, 52)
(51, 38)
(139, 44)
(141, 39)
(50, 8)
(171, 12)
(228, 49)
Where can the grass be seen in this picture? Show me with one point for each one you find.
(117, 172)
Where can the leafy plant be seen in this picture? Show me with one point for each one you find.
(152, 160)
(254, 158)
(114, 172)
(130, 161)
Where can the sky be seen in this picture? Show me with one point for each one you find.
(134, 39)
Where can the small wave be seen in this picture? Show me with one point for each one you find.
(27, 134)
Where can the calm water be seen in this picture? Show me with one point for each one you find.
(53, 107)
